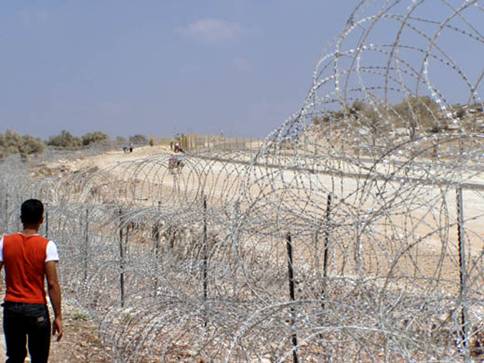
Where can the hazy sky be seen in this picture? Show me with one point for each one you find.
(159, 66)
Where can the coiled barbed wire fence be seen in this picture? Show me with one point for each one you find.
(355, 233)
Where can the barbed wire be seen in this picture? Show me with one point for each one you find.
(355, 232)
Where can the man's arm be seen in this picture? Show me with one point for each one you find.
(55, 297)
(1, 253)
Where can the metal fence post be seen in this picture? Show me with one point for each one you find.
(205, 261)
(6, 211)
(358, 247)
(326, 248)
(156, 242)
(462, 274)
(121, 258)
(292, 296)
(86, 246)
(46, 220)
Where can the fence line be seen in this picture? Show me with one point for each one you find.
(193, 261)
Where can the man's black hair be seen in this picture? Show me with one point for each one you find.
(31, 212)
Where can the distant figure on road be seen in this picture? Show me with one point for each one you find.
(176, 163)
(130, 147)
(178, 148)
(29, 260)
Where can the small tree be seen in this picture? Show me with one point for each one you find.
(138, 139)
(13, 143)
(94, 138)
(478, 107)
(31, 145)
(418, 113)
(64, 139)
(358, 107)
(321, 120)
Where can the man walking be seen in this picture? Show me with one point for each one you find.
(29, 259)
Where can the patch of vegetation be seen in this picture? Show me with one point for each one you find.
(79, 316)
(14, 143)
(95, 137)
(416, 114)
(138, 139)
(65, 139)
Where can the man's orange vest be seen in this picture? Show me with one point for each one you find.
(24, 261)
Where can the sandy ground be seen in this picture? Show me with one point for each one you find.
(223, 181)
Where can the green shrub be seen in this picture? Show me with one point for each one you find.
(13, 143)
(419, 113)
(138, 139)
(414, 113)
(64, 139)
(94, 138)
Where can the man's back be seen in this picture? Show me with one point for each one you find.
(24, 258)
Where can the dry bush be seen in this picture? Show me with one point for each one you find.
(65, 140)
(13, 143)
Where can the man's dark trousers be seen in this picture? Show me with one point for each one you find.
(21, 320)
